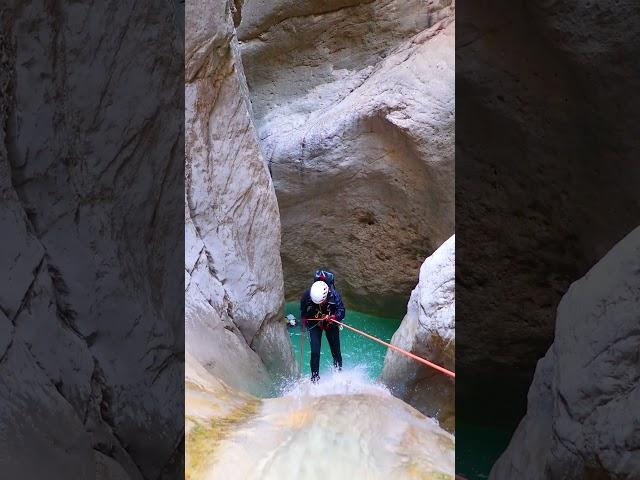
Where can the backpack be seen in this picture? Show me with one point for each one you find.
(325, 276)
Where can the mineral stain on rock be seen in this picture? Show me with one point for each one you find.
(205, 435)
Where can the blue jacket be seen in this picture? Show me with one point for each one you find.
(333, 306)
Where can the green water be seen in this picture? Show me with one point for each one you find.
(478, 447)
(489, 408)
(356, 350)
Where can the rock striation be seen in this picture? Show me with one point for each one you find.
(233, 273)
(581, 419)
(428, 330)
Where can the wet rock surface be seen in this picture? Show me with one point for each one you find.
(342, 428)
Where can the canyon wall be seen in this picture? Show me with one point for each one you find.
(550, 82)
(428, 330)
(354, 109)
(233, 274)
(91, 178)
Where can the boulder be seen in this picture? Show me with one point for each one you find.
(233, 274)
(581, 419)
(354, 108)
(428, 330)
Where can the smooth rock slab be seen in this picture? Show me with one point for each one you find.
(342, 428)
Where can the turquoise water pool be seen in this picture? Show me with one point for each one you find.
(478, 447)
(489, 410)
(356, 350)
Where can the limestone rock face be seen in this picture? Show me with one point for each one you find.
(428, 330)
(233, 286)
(354, 107)
(91, 328)
(582, 417)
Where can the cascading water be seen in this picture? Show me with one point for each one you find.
(347, 426)
(349, 381)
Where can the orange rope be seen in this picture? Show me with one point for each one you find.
(404, 352)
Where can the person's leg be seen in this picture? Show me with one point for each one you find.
(333, 336)
(315, 336)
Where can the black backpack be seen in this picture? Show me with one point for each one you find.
(325, 276)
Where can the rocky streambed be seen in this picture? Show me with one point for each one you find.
(344, 428)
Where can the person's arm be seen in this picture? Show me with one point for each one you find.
(305, 302)
(340, 311)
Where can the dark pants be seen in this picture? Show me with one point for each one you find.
(333, 337)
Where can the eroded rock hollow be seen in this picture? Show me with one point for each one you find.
(354, 108)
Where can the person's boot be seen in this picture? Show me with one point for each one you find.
(314, 378)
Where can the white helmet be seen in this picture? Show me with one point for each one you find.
(319, 292)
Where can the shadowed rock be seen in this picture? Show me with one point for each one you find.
(91, 179)
(581, 419)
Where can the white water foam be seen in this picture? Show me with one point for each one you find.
(346, 382)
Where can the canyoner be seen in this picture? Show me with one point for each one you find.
(319, 305)
(321, 309)
(343, 216)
